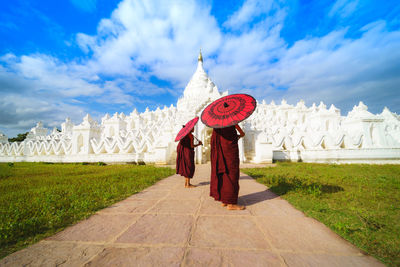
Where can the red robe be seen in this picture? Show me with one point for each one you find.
(224, 184)
(185, 158)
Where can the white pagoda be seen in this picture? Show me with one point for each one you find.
(274, 132)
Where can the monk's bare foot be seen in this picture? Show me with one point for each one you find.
(235, 207)
(223, 204)
(190, 186)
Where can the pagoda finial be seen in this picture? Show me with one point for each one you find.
(200, 58)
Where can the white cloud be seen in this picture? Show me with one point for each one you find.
(343, 8)
(250, 10)
(19, 113)
(48, 74)
(155, 35)
(244, 58)
(85, 41)
(343, 71)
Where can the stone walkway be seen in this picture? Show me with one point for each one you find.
(168, 225)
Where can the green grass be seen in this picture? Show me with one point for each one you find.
(359, 202)
(39, 199)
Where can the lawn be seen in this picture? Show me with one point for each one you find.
(39, 199)
(359, 202)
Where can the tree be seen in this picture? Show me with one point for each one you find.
(20, 137)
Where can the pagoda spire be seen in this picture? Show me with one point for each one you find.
(200, 58)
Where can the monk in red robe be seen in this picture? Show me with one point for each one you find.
(185, 158)
(224, 185)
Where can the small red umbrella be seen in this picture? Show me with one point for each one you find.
(228, 110)
(186, 129)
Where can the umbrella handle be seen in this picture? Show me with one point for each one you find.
(196, 138)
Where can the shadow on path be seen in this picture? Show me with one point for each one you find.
(203, 183)
(257, 197)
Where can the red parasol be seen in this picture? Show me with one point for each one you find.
(228, 110)
(186, 129)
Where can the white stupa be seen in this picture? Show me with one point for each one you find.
(273, 132)
(198, 92)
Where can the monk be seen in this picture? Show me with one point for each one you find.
(224, 185)
(185, 158)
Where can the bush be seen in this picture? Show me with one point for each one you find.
(19, 138)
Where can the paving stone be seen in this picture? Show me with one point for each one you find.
(99, 227)
(325, 260)
(175, 206)
(130, 206)
(159, 229)
(165, 186)
(52, 254)
(227, 232)
(150, 194)
(186, 193)
(272, 207)
(248, 181)
(256, 195)
(168, 183)
(249, 187)
(303, 234)
(227, 257)
(212, 207)
(167, 256)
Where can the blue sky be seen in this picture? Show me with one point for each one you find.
(63, 59)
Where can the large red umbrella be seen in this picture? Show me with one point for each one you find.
(186, 129)
(228, 110)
